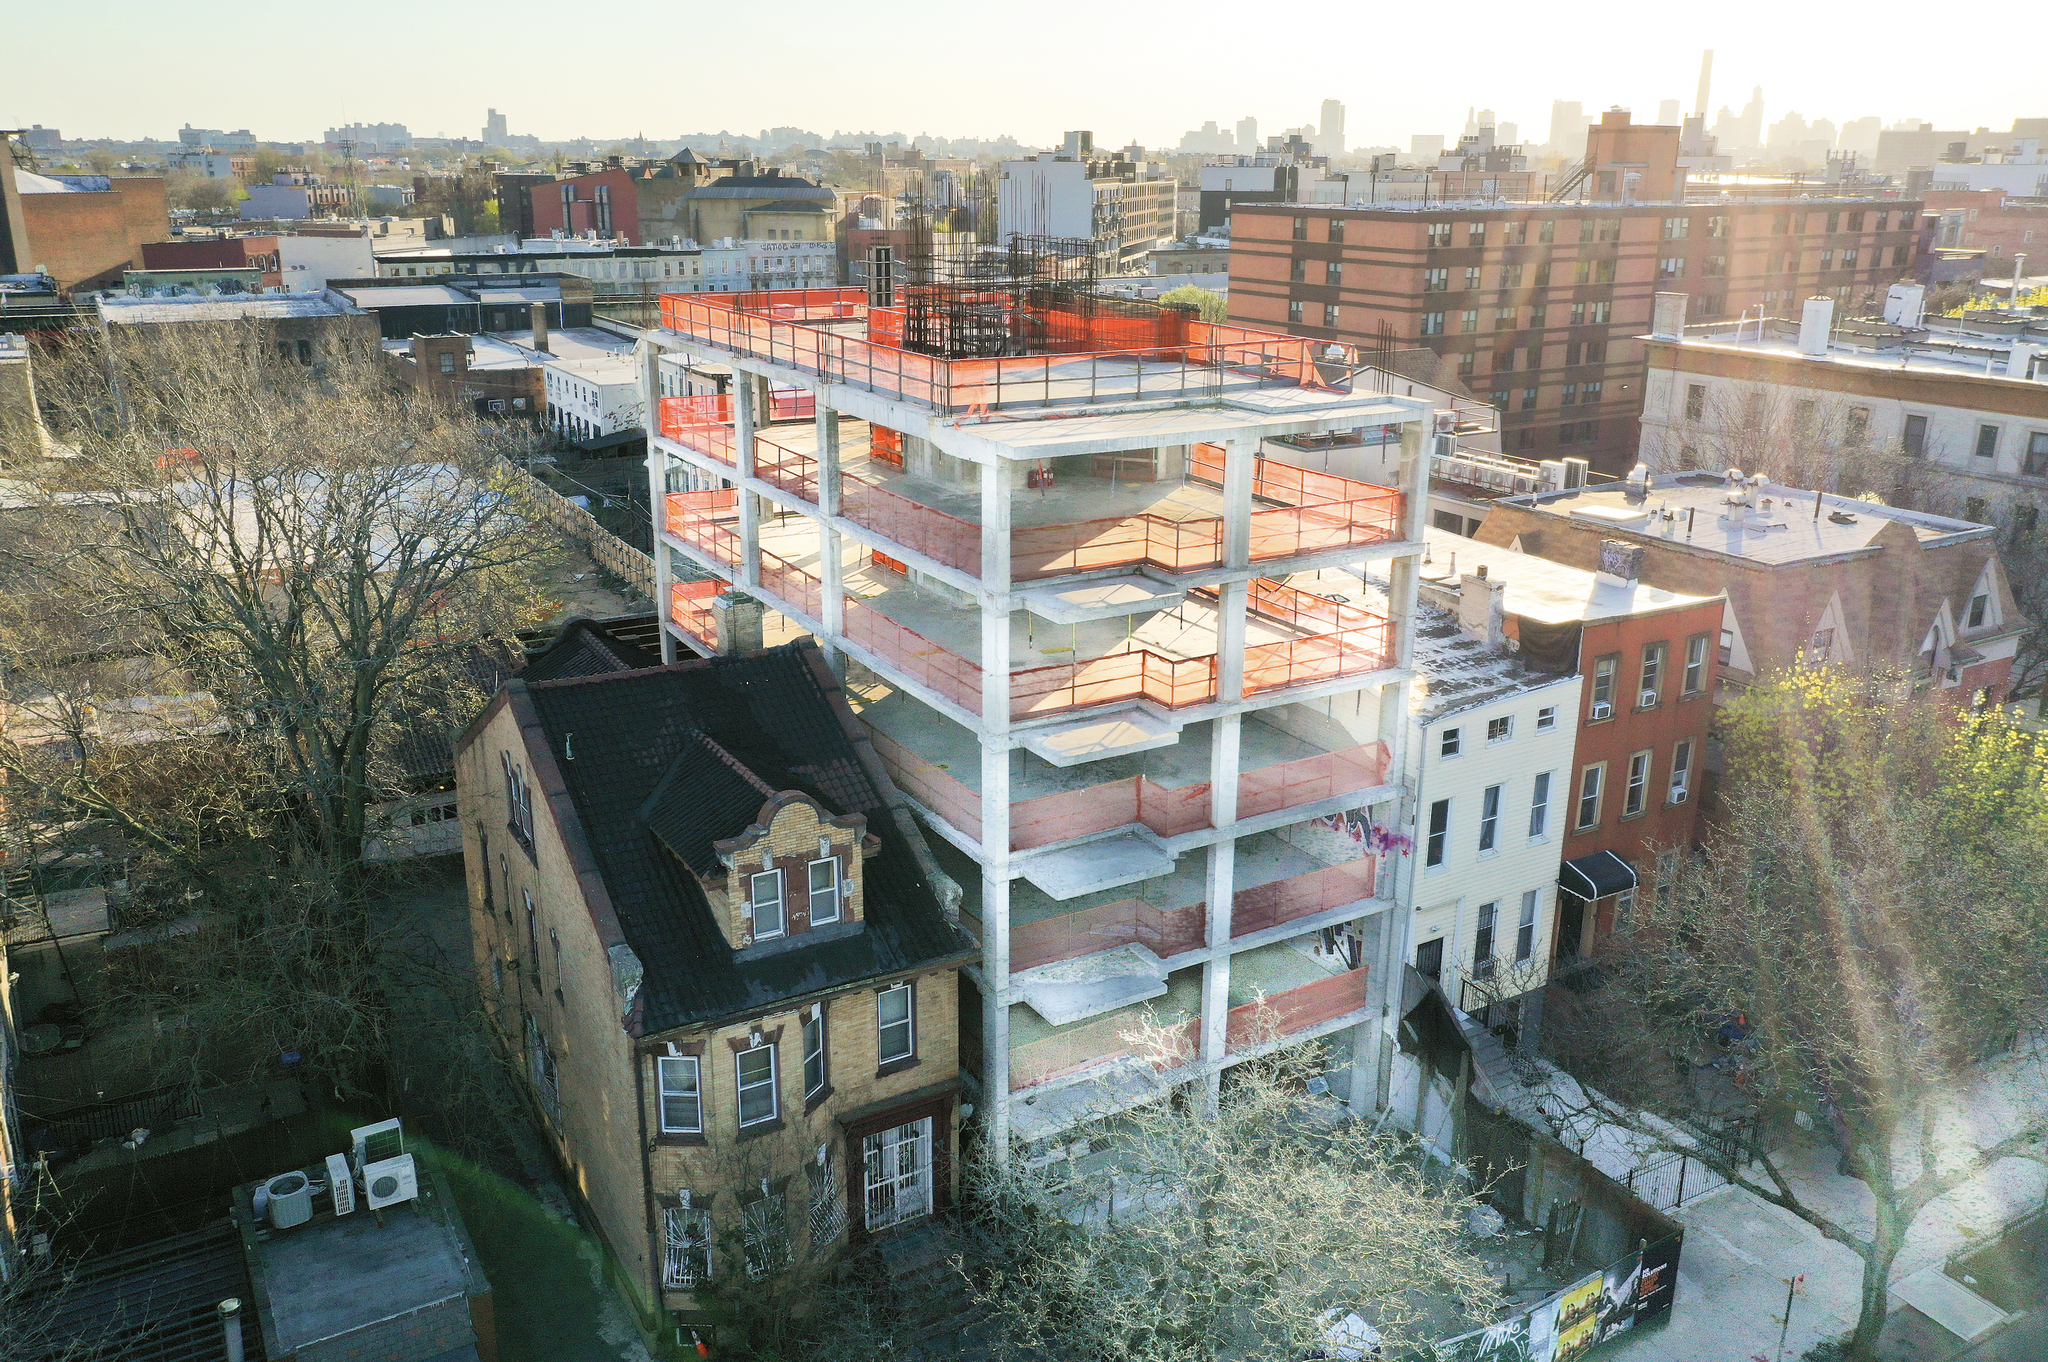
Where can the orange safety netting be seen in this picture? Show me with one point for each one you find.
(781, 466)
(1084, 1045)
(885, 445)
(924, 661)
(928, 785)
(1139, 799)
(689, 606)
(1163, 931)
(940, 537)
(1169, 931)
(1348, 771)
(792, 583)
(772, 325)
(1296, 1009)
(1138, 674)
(709, 521)
(1300, 896)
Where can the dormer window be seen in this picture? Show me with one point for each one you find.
(1979, 605)
(824, 890)
(765, 890)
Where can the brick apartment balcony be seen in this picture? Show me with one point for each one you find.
(1164, 789)
(1279, 986)
(1085, 358)
(1294, 637)
(1171, 523)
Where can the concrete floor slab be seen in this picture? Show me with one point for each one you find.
(1104, 598)
(954, 750)
(1071, 990)
(1093, 866)
(1948, 1303)
(1261, 859)
(1094, 737)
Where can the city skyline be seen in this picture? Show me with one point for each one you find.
(1029, 88)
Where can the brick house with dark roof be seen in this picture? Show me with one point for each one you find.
(720, 947)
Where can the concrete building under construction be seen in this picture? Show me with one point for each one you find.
(1102, 620)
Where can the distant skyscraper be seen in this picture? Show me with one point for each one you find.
(1247, 135)
(1749, 128)
(495, 131)
(1667, 112)
(1507, 135)
(1331, 143)
(1567, 127)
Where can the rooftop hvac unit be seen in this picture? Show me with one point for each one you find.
(377, 1143)
(390, 1181)
(291, 1200)
(340, 1185)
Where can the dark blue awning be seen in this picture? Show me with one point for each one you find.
(1596, 876)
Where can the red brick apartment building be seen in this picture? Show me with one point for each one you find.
(1541, 305)
(216, 253)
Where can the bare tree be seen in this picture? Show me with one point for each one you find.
(1797, 440)
(1197, 1233)
(230, 611)
(1866, 929)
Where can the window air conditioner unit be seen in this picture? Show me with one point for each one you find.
(1679, 793)
(390, 1181)
(1648, 699)
(1602, 710)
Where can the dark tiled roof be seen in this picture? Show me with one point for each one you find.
(425, 743)
(642, 781)
(585, 647)
(705, 796)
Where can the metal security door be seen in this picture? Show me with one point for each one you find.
(898, 1174)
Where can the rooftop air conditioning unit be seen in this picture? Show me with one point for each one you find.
(1648, 699)
(340, 1185)
(390, 1181)
(377, 1143)
(1602, 710)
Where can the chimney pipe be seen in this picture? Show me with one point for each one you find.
(1816, 320)
(230, 1312)
(540, 328)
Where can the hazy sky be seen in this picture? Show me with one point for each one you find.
(1144, 72)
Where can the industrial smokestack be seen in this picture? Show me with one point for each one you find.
(1699, 105)
(540, 328)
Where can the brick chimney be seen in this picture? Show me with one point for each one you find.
(540, 328)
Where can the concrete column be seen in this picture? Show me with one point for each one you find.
(1220, 884)
(1238, 463)
(1397, 731)
(831, 560)
(647, 372)
(995, 802)
(745, 414)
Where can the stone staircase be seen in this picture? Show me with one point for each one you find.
(914, 1268)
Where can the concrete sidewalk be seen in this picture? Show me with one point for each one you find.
(1741, 1251)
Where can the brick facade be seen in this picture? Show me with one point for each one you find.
(560, 978)
(1541, 306)
(87, 240)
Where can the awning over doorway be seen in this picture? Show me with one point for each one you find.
(1596, 876)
